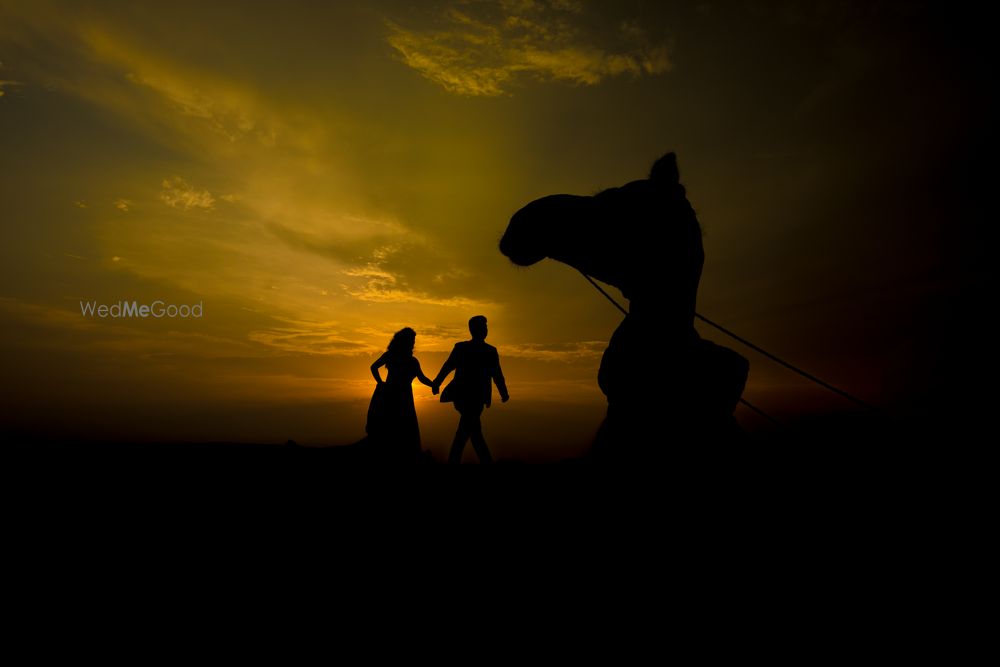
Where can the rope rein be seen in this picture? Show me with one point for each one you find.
(756, 348)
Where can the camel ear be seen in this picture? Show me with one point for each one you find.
(665, 170)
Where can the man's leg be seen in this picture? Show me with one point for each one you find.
(474, 427)
(458, 444)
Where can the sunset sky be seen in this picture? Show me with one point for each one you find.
(319, 175)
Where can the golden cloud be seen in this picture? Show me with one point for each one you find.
(512, 40)
(563, 352)
(5, 84)
(180, 194)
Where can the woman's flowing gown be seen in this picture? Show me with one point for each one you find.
(392, 417)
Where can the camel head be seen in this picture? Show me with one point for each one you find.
(617, 236)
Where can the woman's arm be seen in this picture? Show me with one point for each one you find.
(420, 375)
(379, 363)
(450, 364)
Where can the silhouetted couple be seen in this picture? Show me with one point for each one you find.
(392, 417)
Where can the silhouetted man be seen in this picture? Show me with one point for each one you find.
(477, 367)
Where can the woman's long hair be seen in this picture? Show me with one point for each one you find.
(401, 345)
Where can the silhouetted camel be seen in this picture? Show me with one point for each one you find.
(664, 384)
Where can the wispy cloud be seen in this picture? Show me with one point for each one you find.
(182, 104)
(564, 352)
(311, 338)
(7, 84)
(180, 194)
(375, 281)
(208, 101)
(485, 48)
(385, 262)
(430, 337)
(378, 286)
(121, 204)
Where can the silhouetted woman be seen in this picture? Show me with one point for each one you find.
(392, 417)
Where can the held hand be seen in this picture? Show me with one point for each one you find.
(435, 388)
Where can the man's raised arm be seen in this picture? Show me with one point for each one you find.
(449, 365)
